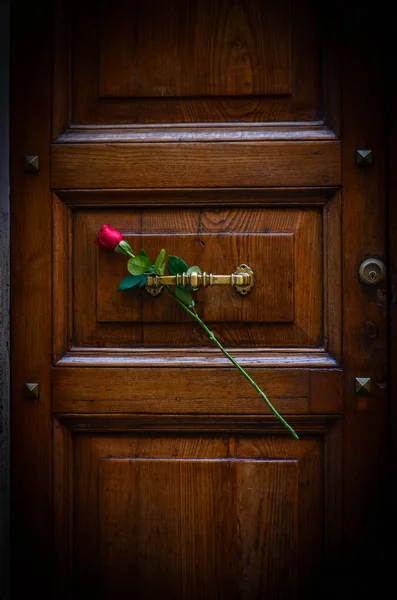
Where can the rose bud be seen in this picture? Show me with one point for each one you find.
(111, 239)
(108, 238)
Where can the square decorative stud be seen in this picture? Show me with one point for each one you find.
(364, 158)
(363, 385)
(31, 164)
(32, 390)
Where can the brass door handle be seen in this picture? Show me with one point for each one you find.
(242, 279)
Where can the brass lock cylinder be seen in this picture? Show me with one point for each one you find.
(372, 271)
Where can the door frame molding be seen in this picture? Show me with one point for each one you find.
(31, 454)
(390, 65)
(364, 307)
(4, 303)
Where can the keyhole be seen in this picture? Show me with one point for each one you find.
(372, 275)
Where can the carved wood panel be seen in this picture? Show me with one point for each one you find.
(294, 252)
(286, 247)
(191, 515)
(188, 62)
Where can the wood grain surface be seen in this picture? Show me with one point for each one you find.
(226, 134)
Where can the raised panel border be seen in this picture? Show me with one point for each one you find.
(64, 355)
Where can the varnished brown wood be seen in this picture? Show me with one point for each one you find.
(307, 572)
(189, 491)
(62, 269)
(332, 276)
(196, 165)
(166, 470)
(326, 391)
(209, 69)
(271, 300)
(173, 390)
(158, 51)
(329, 19)
(274, 244)
(245, 471)
(98, 458)
(203, 197)
(140, 423)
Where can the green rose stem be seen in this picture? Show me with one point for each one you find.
(141, 266)
(195, 316)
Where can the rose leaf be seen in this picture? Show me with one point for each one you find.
(130, 281)
(139, 265)
(176, 265)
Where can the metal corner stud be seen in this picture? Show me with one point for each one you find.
(363, 385)
(364, 158)
(32, 390)
(31, 164)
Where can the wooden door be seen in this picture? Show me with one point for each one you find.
(225, 131)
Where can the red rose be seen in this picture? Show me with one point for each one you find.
(108, 238)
